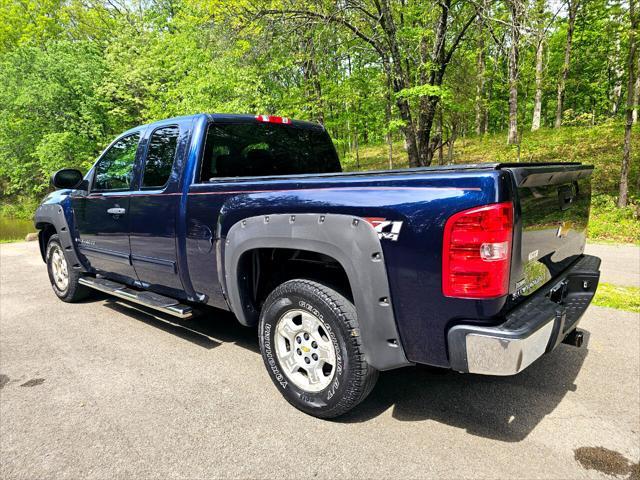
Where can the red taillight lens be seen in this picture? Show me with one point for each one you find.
(272, 119)
(476, 252)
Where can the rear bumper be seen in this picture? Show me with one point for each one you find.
(532, 329)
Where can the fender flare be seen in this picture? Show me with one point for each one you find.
(54, 214)
(351, 241)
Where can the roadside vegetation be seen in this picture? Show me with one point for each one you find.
(621, 298)
(446, 81)
(597, 145)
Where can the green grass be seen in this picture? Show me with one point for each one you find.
(621, 298)
(600, 146)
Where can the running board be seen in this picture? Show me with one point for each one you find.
(147, 299)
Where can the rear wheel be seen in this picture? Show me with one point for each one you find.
(64, 279)
(310, 343)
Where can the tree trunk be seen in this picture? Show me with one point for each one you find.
(634, 115)
(623, 197)
(312, 79)
(409, 132)
(573, 10)
(481, 78)
(537, 106)
(618, 72)
(357, 149)
(387, 116)
(516, 7)
(400, 81)
(431, 76)
(440, 136)
(452, 141)
(427, 116)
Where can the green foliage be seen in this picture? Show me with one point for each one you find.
(74, 74)
(51, 114)
(423, 91)
(610, 223)
(615, 296)
(599, 146)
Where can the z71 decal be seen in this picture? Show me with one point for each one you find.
(386, 229)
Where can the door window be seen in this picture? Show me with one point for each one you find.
(114, 171)
(160, 155)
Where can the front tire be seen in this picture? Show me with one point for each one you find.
(311, 346)
(64, 279)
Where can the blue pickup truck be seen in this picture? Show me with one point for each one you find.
(477, 268)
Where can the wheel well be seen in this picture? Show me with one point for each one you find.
(45, 233)
(261, 270)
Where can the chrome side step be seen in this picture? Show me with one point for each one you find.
(148, 299)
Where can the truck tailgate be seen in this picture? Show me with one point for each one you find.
(550, 230)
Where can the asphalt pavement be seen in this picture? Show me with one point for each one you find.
(103, 390)
(620, 263)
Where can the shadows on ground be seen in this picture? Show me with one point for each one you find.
(500, 408)
(208, 330)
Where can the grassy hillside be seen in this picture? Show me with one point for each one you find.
(600, 146)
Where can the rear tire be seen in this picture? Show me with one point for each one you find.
(64, 279)
(311, 346)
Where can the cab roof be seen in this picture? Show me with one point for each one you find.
(231, 118)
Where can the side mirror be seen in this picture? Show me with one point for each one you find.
(67, 178)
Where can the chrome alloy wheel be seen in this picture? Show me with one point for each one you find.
(305, 350)
(59, 268)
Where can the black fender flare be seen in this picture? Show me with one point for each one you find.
(351, 241)
(54, 214)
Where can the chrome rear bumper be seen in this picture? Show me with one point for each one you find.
(532, 329)
(489, 355)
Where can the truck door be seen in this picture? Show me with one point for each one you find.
(102, 216)
(153, 210)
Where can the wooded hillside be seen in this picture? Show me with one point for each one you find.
(423, 74)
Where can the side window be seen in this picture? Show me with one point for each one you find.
(212, 154)
(160, 155)
(114, 171)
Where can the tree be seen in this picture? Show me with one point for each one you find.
(623, 197)
(572, 6)
(517, 11)
(481, 87)
(637, 93)
(377, 26)
(539, 43)
(73, 74)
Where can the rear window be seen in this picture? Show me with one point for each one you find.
(266, 149)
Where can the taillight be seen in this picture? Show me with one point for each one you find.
(272, 119)
(476, 253)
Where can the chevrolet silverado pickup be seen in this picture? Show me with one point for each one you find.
(476, 268)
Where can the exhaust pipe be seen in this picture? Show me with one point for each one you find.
(575, 338)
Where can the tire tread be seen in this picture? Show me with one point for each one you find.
(364, 375)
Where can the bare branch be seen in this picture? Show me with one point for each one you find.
(327, 18)
(459, 37)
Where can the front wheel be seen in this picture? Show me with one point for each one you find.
(311, 346)
(64, 279)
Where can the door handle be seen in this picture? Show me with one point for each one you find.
(116, 211)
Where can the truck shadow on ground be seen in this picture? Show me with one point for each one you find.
(500, 408)
(208, 330)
